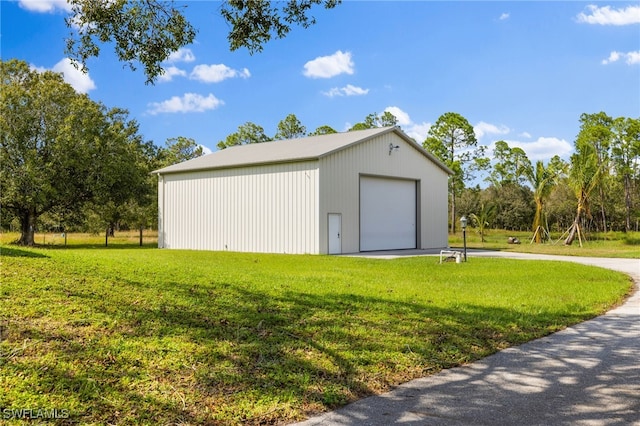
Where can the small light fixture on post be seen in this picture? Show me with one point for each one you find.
(463, 223)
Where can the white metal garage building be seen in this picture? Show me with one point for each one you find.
(365, 190)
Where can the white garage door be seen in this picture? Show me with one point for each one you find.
(387, 214)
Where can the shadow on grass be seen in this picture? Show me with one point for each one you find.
(17, 252)
(114, 246)
(205, 354)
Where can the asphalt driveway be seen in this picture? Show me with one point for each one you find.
(588, 374)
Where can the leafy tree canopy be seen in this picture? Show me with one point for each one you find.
(178, 150)
(148, 31)
(374, 120)
(247, 133)
(511, 164)
(290, 128)
(323, 130)
(453, 141)
(60, 149)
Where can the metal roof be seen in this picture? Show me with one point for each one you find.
(290, 150)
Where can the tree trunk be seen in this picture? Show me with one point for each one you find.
(604, 216)
(627, 202)
(537, 221)
(28, 227)
(453, 212)
(574, 229)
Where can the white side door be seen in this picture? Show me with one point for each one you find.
(335, 231)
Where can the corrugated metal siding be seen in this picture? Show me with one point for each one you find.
(269, 209)
(339, 188)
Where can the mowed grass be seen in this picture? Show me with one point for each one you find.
(610, 244)
(145, 336)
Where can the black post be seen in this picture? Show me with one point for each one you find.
(464, 240)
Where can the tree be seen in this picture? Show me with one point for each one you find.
(323, 130)
(178, 150)
(482, 219)
(514, 205)
(247, 133)
(374, 120)
(453, 141)
(123, 178)
(510, 164)
(58, 149)
(583, 179)
(542, 179)
(149, 31)
(625, 153)
(290, 128)
(595, 129)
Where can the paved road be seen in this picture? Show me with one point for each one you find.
(588, 374)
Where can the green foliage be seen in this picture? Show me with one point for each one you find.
(60, 150)
(147, 32)
(374, 120)
(290, 128)
(511, 164)
(454, 142)
(514, 206)
(482, 219)
(625, 152)
(588, 165)
(323, 130)
(543, 179)
(126, 336)
(247, 133)
(254, 23)
(178, 150)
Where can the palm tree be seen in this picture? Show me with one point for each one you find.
(542, 180)
(482, 219)
(584, 177)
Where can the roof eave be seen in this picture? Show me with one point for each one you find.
(235, 166)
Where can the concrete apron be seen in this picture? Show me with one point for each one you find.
(587, 374)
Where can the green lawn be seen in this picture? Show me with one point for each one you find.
(611, 244)
(144, 336)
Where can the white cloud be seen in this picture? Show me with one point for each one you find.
(504, 16)
(329, 66)
(544, 148)
(403, 117)
(189, 102)
(630, 57)
(171, 72)
(181, 55)
(348, 90)
(216, 73)
(417, 131)
(45, 5)
(80, 81)
(633, 57)
(483, 128)
(205, 150)
(613, 57)
(525, 135)
(607, 16)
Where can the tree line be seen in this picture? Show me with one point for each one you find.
(70, 163)
(598, 189)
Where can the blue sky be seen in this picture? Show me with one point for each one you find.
(518, 71)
